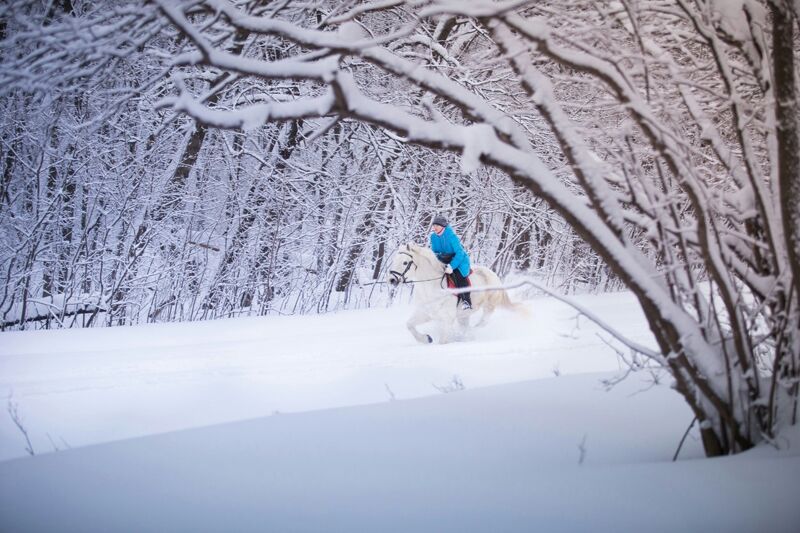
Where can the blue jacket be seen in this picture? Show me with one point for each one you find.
(448, 243)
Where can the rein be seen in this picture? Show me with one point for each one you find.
(424, 280)
(404, 283)
(402, 275)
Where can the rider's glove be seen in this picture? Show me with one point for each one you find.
(448, 269)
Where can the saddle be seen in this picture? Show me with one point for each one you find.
(452, 285)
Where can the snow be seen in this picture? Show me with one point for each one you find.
(252, 116)
(334, 423)
(74, 384)
(732, 16)
(352, 32)
(473, 140)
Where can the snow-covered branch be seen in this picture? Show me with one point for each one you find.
(252, 158)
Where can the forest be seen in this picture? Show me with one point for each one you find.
(118, 211)
(187, 160)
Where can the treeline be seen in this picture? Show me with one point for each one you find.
(114, 210)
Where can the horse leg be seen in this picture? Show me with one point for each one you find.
(462, 317)
(416, 319)
(486, 312)
(449, 319)
(465, 332)
(445, 329)
(492, 301)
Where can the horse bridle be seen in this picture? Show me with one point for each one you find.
(401, 276)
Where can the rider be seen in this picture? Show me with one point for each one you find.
(448, 249)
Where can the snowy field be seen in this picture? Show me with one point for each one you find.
(342, 422)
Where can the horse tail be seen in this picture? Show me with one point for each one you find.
(516, 307)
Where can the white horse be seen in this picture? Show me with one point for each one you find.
(434, 302)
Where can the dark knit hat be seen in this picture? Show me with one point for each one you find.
(440, 220)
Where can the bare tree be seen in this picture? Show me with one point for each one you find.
(680, 156)
(293, 144)
(116, 212)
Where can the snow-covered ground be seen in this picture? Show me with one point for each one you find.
(340, 422)
(79, 387)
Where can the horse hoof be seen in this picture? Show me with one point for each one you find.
(430, 339)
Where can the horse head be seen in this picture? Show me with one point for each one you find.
(403, 266)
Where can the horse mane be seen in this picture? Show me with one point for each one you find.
(423, 252)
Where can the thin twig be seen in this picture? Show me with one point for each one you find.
(634, 346)
(675, 457)
(13, 411)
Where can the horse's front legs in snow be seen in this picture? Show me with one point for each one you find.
(445, 328)
(416, 319)
(451, 323)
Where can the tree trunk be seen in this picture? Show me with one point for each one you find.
(788, 114)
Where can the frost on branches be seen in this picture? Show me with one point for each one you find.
(678, 123)
(118, 211)
(663, 132)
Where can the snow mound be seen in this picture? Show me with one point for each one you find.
(560, 454)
